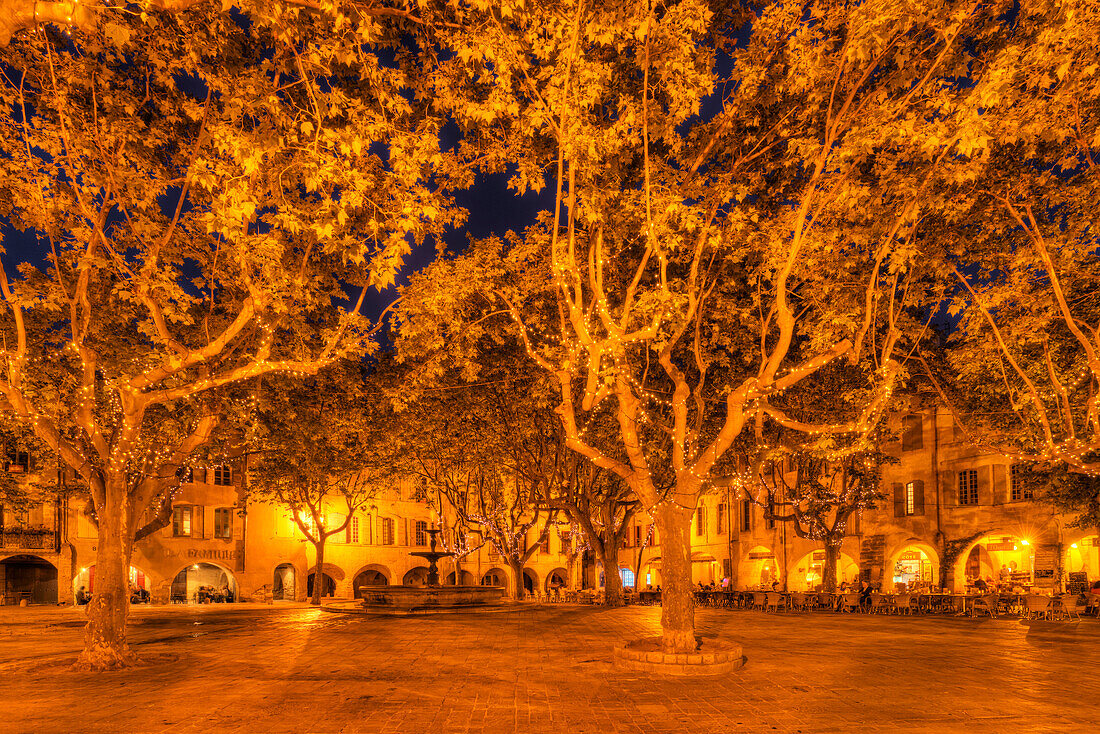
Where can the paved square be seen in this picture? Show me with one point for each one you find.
(253, 668)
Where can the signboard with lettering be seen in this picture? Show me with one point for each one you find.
(761, 556)
(1078, 582)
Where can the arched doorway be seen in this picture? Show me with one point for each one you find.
(140, 584)
(530, 580)
(809, 573)
(557, 579)
(372, 575)
(284, 587)
(494, 577)
(1004, 559)
(415, 577)
(29, 578)
(704, 568)
(758, 569)
(914, 563)
(467, 579)
(328, 585)
(1083, 557)
(203, 583)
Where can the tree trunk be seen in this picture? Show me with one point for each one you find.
(318, 574)
(677, 599)
(105, 646)
(517, 579)
(612, 582)
(832, 555)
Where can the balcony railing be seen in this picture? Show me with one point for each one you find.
(28, 539)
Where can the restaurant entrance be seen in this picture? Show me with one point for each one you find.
(203, 583)
(1006, 560)
(1083, 556)
(914, 568)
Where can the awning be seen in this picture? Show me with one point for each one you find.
(702, 558)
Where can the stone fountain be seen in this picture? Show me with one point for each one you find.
(432, 598)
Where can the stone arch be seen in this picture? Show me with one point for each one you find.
(372, 574)
(330, 569)
(139, 577)
(759, 567)
(187, 581)
(466, 580)
(1082, 554)
(415, 576)
(530, 580)
(558, 577)
(28, 577)
(495, 576)
(960, 561)
(917, 544)
(805, 574)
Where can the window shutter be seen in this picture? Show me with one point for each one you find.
(199, 474)
(198, 528)
(899, 500)
(918, 496)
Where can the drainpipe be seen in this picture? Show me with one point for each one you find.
(939, 537)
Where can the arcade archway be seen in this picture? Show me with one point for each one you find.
(808, 574)
(29, 578)
(203, 583)
(466, 580)
(140, 584)
(415, 576)
(530, 580)
(328, 585)
(557, 579)
(914, 563)
(284, 586)
(495, 577)
(758, 569)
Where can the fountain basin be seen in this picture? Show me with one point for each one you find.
(429, 599)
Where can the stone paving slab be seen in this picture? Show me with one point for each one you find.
(295, 669)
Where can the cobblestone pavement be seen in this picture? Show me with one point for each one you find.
(294, 669)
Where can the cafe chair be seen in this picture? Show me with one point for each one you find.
(901, 604)
(879, 603)
(850, 602)
(1071, 607)
(775, 601)
(1037, 605)
(759, 598)
(798, 600)
(987, 604)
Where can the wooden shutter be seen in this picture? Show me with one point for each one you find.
(198, 528)
(918, 496)
(899, 500)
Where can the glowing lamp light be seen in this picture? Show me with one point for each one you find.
(1025, 542)
(196, 567)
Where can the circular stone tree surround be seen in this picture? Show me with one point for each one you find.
(710, 658)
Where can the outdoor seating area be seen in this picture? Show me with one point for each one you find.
(1056, 607)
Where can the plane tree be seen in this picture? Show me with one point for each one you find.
(192, 198)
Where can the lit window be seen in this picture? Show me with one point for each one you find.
(910, 498)
(181, 522)
(223, 522)
(353, 529)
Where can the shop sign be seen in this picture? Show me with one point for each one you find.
(910, 556)
(203, 553)
(759, 556)
(1046, 558)
(819, 555)
(1005, 545)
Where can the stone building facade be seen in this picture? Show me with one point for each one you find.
(950, 513)
(245, 550)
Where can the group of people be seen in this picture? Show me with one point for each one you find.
(138, 595)
(210, 595)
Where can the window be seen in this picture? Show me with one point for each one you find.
(223, 475)
(627, 576)
(746, 516)
(181, 522)
(912, 433)
(421, 532)
(638, 536)
(1016, 481)
(700, 520)
(420, 490)
(566, 543)
(909, 491)
(968, 487)
(493, 553)
(19, 462)
(721, 525)
(353, 529)
(387, 531)
(544, 546)
(223, 522)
